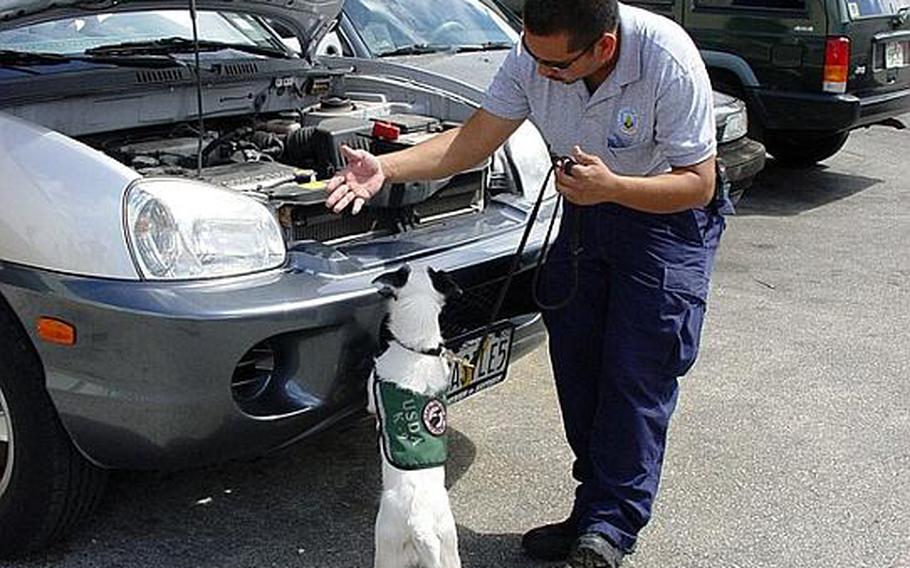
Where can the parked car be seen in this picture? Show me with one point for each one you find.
(173, 291)
(470, 39)
(810, 71)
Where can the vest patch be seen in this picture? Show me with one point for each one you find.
(412, 426)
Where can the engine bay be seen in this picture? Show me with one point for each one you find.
(284, 159)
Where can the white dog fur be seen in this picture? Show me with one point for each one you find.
(415, 526)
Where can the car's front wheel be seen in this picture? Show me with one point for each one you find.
(46, 486)
(802, 149)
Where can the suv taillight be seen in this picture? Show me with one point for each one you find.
(837, 63)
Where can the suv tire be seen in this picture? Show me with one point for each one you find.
(800, 149)
(46, 486)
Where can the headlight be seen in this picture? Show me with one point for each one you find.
(736, 126)
(180, 229)
(532, 160)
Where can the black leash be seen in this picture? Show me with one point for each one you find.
(566, 165)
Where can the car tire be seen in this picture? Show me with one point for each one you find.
(799, 149)
(46, 486)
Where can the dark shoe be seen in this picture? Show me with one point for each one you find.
(593, 550)
(550, 542)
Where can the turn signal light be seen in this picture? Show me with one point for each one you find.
(837, 64)
(56, 331)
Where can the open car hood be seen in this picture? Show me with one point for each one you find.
(310, 19)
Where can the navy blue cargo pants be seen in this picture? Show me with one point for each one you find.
(618, 347)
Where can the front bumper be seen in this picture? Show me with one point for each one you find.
(743, 159)
(785, 110)
(149, 383)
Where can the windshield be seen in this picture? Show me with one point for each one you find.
(389, 26)
(866, 8)
(73, 36)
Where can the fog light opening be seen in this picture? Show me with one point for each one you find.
(253, 373)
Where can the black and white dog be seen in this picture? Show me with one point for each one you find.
(406, 391)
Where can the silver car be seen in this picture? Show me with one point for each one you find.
(173, 290)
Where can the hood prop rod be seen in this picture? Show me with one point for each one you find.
(198, 71)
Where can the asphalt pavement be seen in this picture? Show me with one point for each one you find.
(790, 446)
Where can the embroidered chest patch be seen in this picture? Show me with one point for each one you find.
(627, 121)
(412, 426)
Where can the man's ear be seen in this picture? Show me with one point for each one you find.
(391, 282)
(444, 283)
(607, 45)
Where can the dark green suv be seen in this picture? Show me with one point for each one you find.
(810, 71)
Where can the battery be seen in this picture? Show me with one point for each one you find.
(410, 123)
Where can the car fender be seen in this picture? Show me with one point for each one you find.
(732, 63)
(62, 203)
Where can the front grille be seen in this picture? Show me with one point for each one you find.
(324, 226)
(444, 204)
(313, 221)
(499, 182)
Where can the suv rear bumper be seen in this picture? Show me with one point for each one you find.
(879, 107)
(782, 110)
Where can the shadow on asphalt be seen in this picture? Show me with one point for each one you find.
(313, 505)
(780, 191)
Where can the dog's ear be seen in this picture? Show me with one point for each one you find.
(444, 283)
(391, 282)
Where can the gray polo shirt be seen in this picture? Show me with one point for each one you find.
(654, 111)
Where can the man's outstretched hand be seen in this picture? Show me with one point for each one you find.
(360, 180)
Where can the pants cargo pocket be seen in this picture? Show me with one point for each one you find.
(689, 290)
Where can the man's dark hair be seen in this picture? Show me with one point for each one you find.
(583, 20)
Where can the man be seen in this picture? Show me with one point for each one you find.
(625, 93)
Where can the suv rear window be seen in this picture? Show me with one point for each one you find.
(867, 8)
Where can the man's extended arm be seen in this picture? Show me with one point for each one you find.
(442, 156)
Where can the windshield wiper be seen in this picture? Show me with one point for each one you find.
(15, 58)
(414, 49)
(168, 45)
(486, 46)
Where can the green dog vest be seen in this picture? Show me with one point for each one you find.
(412, 426)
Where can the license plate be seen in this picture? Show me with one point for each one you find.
(896, 54)
(491, 365)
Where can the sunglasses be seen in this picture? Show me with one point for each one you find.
(557, 65)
